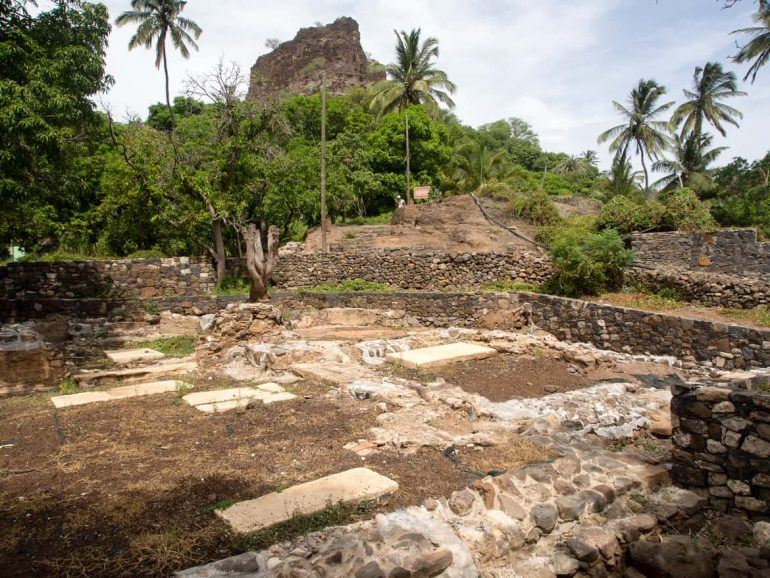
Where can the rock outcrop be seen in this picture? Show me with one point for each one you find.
(296, 66)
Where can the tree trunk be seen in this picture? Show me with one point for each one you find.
(168, 93)
(259, 267)
(324, 246)
(219, 250)
(646, 177)
(408, 163)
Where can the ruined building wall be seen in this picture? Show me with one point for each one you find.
(733, 252)
(721, 441)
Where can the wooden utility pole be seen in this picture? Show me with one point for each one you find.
(324, 246)
(408, 162)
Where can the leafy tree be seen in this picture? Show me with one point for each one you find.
(157, 20)
(710, 86)
(413, 80)
(689, 162)
(159, 116)
(757, 49)
(641, 128)
(626, 215)
(52, 63)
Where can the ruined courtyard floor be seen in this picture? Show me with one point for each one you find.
(130, 487)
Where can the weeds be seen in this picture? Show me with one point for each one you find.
(151, 308)
(351, 286)
(511, 286)
(231, 285)
(175, 346)
(68, 386)
(182, 389)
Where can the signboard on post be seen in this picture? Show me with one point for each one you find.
(421, 194)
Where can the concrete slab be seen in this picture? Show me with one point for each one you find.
(223, 395)
(271, 388)
(123, 356)
(440, 355)
(351, 486)
(123, 392)
(175, 368)
(223, 406)
(272, 398)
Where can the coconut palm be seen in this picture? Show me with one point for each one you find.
(710, 85)
(413, 79)
(474, 164)
(590, 157)
(622, 177)
(574, 165)
(689, 162)
(641, 129)
(758, 48)
(157, 20)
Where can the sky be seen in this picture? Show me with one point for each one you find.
(558, 64)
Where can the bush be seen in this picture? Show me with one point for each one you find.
(232, 285)
(684, 211)
(536, 208)
(496, 190)
(576, 225)
(627, 216)
(147, 254)
(351, 286)
(588, 264)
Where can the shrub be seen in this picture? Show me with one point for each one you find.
(588, 264)
(232, 285)
(147, 254)
(350, 286)
(684, 211)
(497, 190)
(576, 225)
(536, 208)
(626, 216)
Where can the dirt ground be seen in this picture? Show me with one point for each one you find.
(504, 377)
(129, 488)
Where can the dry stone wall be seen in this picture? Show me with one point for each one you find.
(734, 252)
(722, 442)
(411, 270)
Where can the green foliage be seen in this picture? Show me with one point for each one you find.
(147, 254)
(68, 386)
(627, 216)
(175, 346)
(576, 226)
(497, 190)
(536, 208)
(383, 219)
(151, 308)
(232, 285)
(351, 286)
(588, 265)
(685, 212)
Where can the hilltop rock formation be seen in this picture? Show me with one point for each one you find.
(296, 66)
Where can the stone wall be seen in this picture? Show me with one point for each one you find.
(734, 252)
(405, 269)
(708, 289)
(722, 443)
(102, 278)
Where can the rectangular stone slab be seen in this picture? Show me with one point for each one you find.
(223, 395)
(179, 367)
(123, 356)
(350, 486)
(440, 355)
(123, 392)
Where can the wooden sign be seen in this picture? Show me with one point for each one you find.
(421, 193)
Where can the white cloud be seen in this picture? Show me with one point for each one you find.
(556, 63)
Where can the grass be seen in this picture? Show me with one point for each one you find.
(510, 286)
(151, 308)
(332, 515)
(757, 316)
(232, 286)
(176, 346)
(383, 219)
(352, 286)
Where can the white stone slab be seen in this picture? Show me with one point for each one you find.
(272, 398)
(271, 388)
(177, 367)
(440, 355)
(123, 356)
(223, 405)
(223, 395)
(123, 392)
(351, 486)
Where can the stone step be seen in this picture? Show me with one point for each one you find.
(440, 355)
(220, 400)
(350, 486)
(181, 366)
(126, 356)
(123, 392)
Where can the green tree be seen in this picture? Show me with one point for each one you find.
(574, 165)
(689, 162)
(52, 64)
(710, 86)
(473, 164)
(157, 20)
(413, 80)
(757, 49)
(622, 179)
(641, 128)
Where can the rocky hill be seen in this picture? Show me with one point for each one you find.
(296, 66)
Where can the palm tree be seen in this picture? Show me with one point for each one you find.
(590, 157)
(758, 48)
(622, 177)
(641, 129)
(157, 20)
(574, 165)
(689, 161)
(474, 164)
(412, 79)
(710, 86)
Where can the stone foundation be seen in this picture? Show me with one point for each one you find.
(722, 442)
